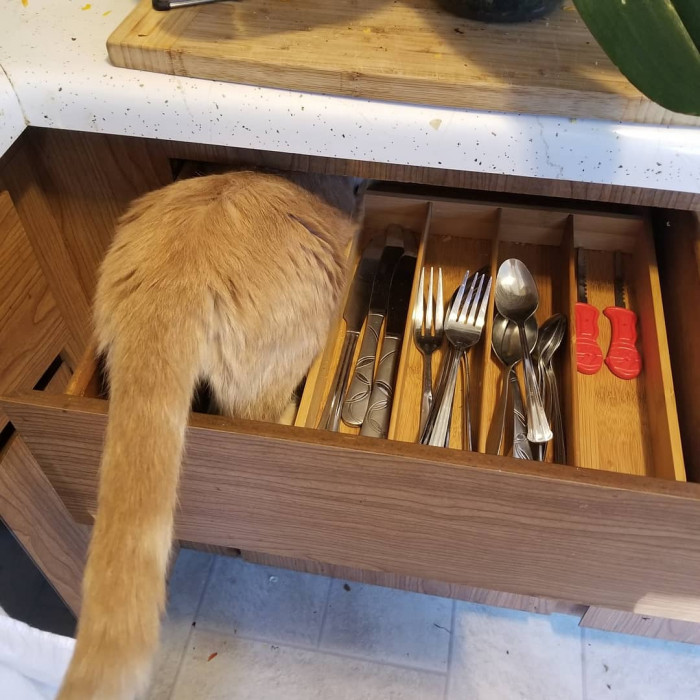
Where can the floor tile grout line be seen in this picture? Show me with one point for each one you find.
(450, 649)
(325, 613)
(329, 652)
(212, 564)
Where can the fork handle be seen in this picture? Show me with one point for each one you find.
(357, 398)
(427, 399)
(466, 409)
(424, 433)
(435, 435)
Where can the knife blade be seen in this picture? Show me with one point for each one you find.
(354, 314)
(376, 422)
(623, 358)
(357, 397)
(589, 356)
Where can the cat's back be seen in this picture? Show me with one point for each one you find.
(248, 210)
(239, 238)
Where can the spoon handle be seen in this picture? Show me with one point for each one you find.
(559, 439)
(538, 429)
(503, 407)
(521, 445)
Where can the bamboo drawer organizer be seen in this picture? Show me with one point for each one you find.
(579, 532)
(612, 424)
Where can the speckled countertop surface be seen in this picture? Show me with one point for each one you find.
(53, 55)
(11, 118)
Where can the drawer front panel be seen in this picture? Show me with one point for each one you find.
(619, 541)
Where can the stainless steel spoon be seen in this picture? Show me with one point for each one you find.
(551, 335)
(517, 299)
(505, 343)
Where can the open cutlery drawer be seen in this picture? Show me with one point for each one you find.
(629, 426)
(591, 536)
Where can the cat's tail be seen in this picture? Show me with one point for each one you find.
(153, 369)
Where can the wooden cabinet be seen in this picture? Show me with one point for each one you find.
(32, 330)
(33, 336)
(616, 529)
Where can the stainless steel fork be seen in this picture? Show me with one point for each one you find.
(463, 328)
(428, 321)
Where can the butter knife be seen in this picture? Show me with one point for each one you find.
(357, 398)
(354, 315)
(376, 422)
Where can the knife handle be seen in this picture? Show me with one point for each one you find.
(376, 422)
(589, 356)
(357, 398)
(330, 418)
(623, 357)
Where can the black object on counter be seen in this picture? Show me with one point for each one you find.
(175, 4)
(500, 10)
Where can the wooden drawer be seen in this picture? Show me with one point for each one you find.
(618, 527)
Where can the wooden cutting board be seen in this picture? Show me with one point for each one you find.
(397, 50)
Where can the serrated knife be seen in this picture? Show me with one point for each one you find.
(623, 358)
(589, 356)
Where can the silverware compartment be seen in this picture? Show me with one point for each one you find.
(629, 426)
(381, 211)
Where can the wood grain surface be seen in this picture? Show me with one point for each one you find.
(32, 330)
(642, 625)
(593, 537)
(528, 603)
(422, 175)
(39, 520)
(678, 248)
(409, 51)
(627, 424)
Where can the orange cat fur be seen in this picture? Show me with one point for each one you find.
(234, 279)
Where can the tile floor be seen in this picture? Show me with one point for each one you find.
(237, 631)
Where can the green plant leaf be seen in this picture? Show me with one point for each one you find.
(655, 43)
(689, 12)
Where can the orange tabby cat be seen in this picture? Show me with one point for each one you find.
(234, 279)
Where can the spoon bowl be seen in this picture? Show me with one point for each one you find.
(550, 337)
(505, 343)
(517, 299)
(505, 339)
(516, 293)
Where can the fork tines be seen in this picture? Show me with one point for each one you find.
(428, 315)
(475, 304)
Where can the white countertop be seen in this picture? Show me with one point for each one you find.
(53, 53)
(12, 121)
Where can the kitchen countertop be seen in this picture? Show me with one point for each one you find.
(54, 59)
(12, 121)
